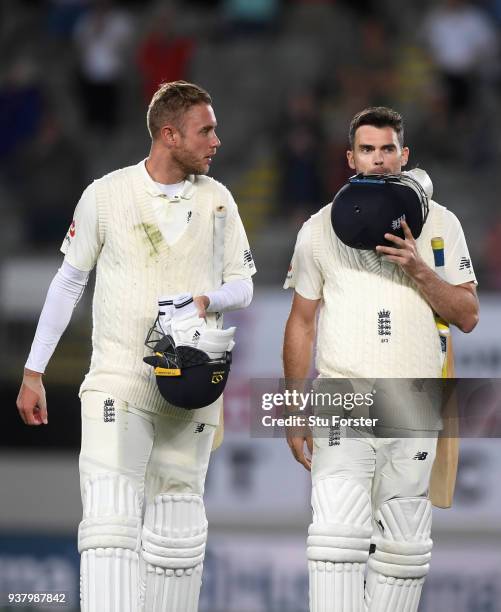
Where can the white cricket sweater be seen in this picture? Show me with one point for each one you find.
(373, 321)
(135, 266)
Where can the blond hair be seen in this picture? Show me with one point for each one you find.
(170, 102)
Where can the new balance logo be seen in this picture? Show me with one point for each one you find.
(464, 263)
(397, 223)
(248, 260)
(420, 456)
(109, 410)
(199, 427)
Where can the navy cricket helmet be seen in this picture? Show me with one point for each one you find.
(371, 205)
(186, 376)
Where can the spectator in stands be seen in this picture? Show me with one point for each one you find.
(463, 45)
(55, 179)
(300, 157)
(250, 16)
(62, 16)
(164, 55)
(102, 37)
(21, 106)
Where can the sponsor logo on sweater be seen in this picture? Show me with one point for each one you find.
(109, 410)
(248, 259)
(420, 456)
(464, 263)
(70, 234)
(384, 324)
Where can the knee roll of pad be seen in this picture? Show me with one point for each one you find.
(111, 514)
(403, 545)
(341, 528)
(175, 533)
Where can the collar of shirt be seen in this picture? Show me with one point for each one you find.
(154, 191)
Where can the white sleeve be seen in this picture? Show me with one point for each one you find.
(238, 260)
(304, 275)
(458, 266)
(232, 295)
(64, 292)
(82, 243)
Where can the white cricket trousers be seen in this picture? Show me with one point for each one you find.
(160, 454)
(369, 490)
(386, 468)
(143, 533)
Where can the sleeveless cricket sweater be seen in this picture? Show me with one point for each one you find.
(136, 266)
(373, 321)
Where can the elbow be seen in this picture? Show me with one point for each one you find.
(469, 323)
(469, 315)
(249, 293)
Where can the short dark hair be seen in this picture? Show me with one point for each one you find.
(380, 117)
(171, 101)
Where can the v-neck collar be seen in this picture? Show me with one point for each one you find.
(148, 217)
(153, 189)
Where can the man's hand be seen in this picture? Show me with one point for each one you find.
(202, 303)
(297, 355)
(296, 437)
(405, 254)
(31, 401)
(457, 304)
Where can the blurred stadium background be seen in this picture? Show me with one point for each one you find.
(286, 77)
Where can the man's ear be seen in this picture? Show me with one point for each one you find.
(169, 135)
(405, 156)
(349, 157)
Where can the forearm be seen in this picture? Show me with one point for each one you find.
(231, 296)
(63, 294)
(454, 303)
(298, 348)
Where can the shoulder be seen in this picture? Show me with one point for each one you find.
(449, 218)
(305, 234)
(324, 212)
(436, 206)
(207, 183)
(210, 186)
(119, 175)
(318, 218)
(315, 224)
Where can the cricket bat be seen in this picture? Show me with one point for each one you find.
(444, 471)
